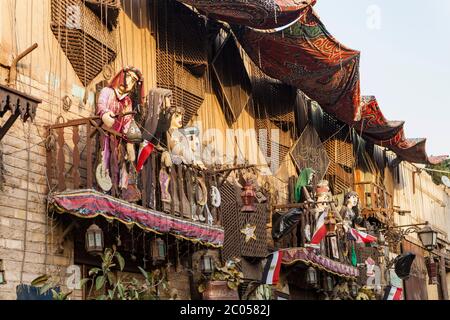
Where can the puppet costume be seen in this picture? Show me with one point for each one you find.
(113, 99)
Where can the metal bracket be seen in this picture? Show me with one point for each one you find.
(13, 68)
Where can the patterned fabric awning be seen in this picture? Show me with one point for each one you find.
(390, 134)
(261, 14)
(308, 57)
(90, 204)
(308, 257)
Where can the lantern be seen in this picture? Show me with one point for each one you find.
(248, 198)
(158, 250)
(311, 277)
(428, 237)
(94, 240)
(329, 283)
(330, 224)
(354, 289)
(207, 264)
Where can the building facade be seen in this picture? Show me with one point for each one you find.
(244, 193)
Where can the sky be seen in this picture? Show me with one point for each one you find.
(405, 59)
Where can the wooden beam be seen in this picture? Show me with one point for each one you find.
(8, 124)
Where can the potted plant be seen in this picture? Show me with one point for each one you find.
(223, 282)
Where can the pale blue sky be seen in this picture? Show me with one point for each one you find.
(405, 63)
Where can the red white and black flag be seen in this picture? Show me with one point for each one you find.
(362, 237)
(271, 273)
(320, 231)
(393, 293)
(145, 151)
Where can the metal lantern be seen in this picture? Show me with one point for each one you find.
(248, 196)
(428, 237)
(329, 283)
(94, 240)
(330, 224)
(207, 264)
(158, 250)
(311, 277)
(354, 289)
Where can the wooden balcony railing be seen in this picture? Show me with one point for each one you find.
(73, 153)
(375, 201)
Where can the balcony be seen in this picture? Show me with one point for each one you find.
(375, 202)
(72, 155)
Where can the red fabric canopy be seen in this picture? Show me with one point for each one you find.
(261, 14)
(309, 257)
(90, 204)
(306, 56)
(390, 134)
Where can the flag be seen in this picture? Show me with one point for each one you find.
(362, 237)
(393, 293)
(320, 231)
(145, 151)
(271, 273)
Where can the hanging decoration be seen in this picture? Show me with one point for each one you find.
(207, 264)
(90, 204)
(248, 196)
(262, 14)
(94, 240)
(305, 55)
(249, 232)
(159, 250)
(309, 152)
(311, 277)
(354, 258)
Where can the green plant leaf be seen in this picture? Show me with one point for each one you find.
(99, 282)
(45, 288)
(202, 288)
(94, 271)
(102, 297)
(111, 278)
(144, 273)
(40, 281)
(61, 296)
(111, 294)
(121, 291)
(232, 285)
(121, 261)
(84, 281)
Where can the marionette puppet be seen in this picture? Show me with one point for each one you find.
(116, 104)
(349, 211)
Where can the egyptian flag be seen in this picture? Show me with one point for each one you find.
(393, 293)
(145, 151)
(271, 273)
(320, 231)
(362, 237)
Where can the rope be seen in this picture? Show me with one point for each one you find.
(26, 208)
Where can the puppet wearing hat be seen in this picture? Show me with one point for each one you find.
(124, 94)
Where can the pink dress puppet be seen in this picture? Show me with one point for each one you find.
(116, 99)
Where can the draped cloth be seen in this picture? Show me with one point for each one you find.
(306, 56)
(260, 14)
(89, 204)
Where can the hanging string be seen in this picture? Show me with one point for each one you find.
(144, 259)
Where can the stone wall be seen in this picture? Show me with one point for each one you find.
(29, 239)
